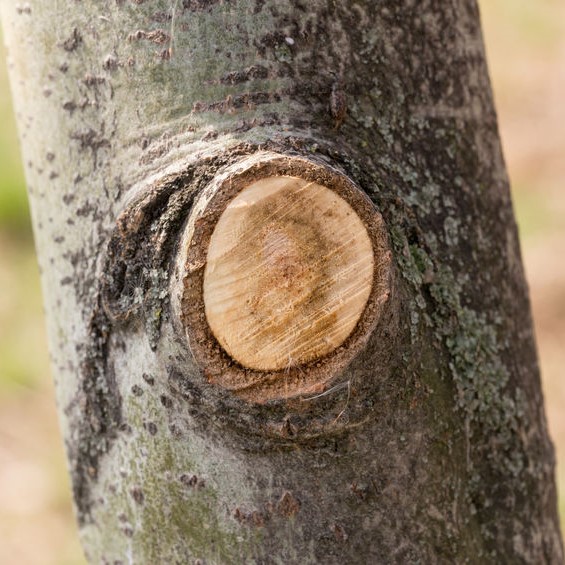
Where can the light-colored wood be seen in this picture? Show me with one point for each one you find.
(289, 271)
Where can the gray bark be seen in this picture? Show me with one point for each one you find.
(432, 445)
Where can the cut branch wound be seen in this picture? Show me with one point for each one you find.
(288, 273)
(285, 266)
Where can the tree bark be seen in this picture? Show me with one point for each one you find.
(427, 442)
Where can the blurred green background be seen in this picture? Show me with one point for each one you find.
(526, 51)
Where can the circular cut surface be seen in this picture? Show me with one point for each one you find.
(288, 273)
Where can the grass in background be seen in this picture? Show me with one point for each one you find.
(526, 50)
(36, 521)
(20, 302)
(14, 210)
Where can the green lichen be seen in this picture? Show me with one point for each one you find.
(155, 299)
(488, 407)
(171, 520)
(474, 342)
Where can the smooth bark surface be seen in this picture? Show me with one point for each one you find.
(431, 446)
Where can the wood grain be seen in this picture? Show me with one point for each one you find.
(289, 271)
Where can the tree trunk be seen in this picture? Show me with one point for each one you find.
(417, 434)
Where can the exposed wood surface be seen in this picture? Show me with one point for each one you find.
(283, 274)
(289, 271)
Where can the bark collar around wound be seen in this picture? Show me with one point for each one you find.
(308, 378)
(149, 246)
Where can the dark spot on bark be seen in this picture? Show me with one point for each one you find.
(258, 6)
(288, 505)
(166, 401)
(160, 149)
(137, 254)
(148, 379)
(110, 63)
(251, 73)
(89, 139)
(136, 390)
(287, 429)
(23, 9)
(257, 519)
(73, 41)
(50, 156)
(75, 258)
(59, 239)
(93, 80)
(239, 515)
(253, 518)
(68, 198)
(122, 517)
(86, 209)
(157, 36)
(198, 5)
(137, 495)
(125, 428)
(53, 175)
(188, 480)
(66, 281)
(183, 386)
(70, 106)
(128, 531)
(64, 67)
(176, 432)
(339, 533)
(246, 125)
(245, 102)
(161, 17)
(151, 428)
(47, 92)
(273, 39)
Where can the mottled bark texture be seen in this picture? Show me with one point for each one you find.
(432, 445)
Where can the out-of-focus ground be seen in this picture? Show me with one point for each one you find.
(526, 51)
